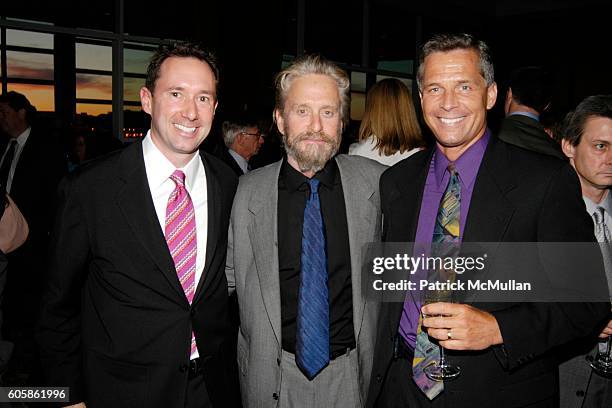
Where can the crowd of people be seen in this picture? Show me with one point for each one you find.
(179, 277)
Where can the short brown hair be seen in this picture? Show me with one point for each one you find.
(313, 64)
(451, 42)
(179, 49)
(390, 117)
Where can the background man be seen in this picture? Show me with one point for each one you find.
(503, 194)
(529, 95)
(135, 309)
(587, 142)
(31, 165)
(243, 140)
(294, 258)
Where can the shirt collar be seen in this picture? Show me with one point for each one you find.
(242, 163)
(294, 180)
(159, 168)
(528, 114)
(606, 203)
(23, 137)
(467, 164)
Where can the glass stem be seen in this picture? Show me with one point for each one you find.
(443, 358)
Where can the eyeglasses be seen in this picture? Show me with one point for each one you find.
(258, 134)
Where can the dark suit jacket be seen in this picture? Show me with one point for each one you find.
(518, 196)
(40, 167)
(229, 160)
(116, 325)
(525, 132)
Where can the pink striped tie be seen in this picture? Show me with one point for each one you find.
(181, 237)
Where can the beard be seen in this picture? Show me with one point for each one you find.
(311, 156)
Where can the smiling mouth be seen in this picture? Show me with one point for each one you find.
(185, 128)
(451, 121)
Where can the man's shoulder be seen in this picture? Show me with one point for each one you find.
(225, 173)
(358, 164)
(408, 166)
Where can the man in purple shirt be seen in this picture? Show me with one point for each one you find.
(507, 194)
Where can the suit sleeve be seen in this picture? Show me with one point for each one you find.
(531, 329)
(59, 332)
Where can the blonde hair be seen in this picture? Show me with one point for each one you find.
(390, 117)
(313, 64)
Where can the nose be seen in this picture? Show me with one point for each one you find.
(315, 124)
(449, 100)
(190, 110)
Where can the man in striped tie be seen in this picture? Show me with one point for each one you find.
(135, 310)
(587, 142)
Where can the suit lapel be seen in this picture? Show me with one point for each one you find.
(214, 197)
(361, 218)
(263, 235)
(405, 200)
(490, 211)
(135, 201)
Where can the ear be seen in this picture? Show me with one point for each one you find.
(146, 99)
(491, 95)
(280, 122)
(568, 148)
(22, 114)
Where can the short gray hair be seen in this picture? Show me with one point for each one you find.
(452, 42)
(232, 129)
(313, 64)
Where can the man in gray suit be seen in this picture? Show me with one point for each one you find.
(587, 142)
(294, 253)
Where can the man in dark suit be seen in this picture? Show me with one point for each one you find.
(504, 194)
(587, 142)
(31, 165)
(135, 310)
(528, 97)
(242, 139)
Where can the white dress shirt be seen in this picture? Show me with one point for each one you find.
(606, 203)
(21, 141)
(159, 169)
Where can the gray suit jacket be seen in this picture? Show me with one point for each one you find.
(252, 270)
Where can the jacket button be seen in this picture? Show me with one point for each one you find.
(378, 378)
(192, 312)
(183, 368)
(275, 396)
(580, 393)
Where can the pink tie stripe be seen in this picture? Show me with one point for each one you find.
(180, 231)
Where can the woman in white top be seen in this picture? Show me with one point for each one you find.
(389, 130)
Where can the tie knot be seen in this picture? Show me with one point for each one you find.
(314, 185)
(178, 177)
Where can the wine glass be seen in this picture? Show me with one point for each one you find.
(442, 370)
(602, 364)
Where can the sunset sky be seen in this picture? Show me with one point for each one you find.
(28, 65)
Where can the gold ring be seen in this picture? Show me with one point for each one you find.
(449, 335)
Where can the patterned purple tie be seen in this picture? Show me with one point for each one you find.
(181, 238)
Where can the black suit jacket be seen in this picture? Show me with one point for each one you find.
(229, 160)
(116, 325)
(525, 132)
(518, 196)
(40, 167)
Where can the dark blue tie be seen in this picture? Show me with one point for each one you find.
(312, 337)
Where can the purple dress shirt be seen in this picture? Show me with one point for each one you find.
(467, 166)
